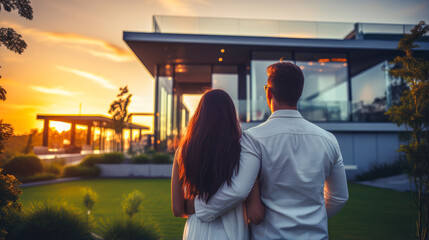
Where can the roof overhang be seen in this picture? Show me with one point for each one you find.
(165, 48)
(89, 120)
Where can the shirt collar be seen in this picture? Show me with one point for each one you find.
(285, 113)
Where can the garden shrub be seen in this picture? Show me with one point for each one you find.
(150, 151)
(161, 158)
(131, 203)
(53, 168)
(39, 177)
(91, 160)
(130, 230)
(113, 158)
(384, 170)
(108, 158)
(23, 166)
(9, 204)
(81, 171)
(53, 220)
(141, 158)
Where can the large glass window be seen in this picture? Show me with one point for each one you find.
(260, 61)
(325, 94)
(226, 78)
(373, 92)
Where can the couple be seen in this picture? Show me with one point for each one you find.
(284, 177)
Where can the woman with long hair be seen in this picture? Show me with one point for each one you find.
(207, 157)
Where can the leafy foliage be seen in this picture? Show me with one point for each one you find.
(399, 166)
(89, 198)
(12, 40)
(23, 6)
(108, 158)
(39, 177)
(118, 109)
(52, 220)
(9, 195)
(23, 166)
(6, 131)
(8, 37)
(141, 158)
(161, 158)
(131, 203)
(81, 171)
(129, 230)
(413, 113)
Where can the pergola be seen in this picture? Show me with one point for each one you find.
(90, 121)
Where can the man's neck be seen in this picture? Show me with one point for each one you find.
(283, 107)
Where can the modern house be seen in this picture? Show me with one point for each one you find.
(347, 86)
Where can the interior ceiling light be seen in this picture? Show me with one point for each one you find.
(222, 50)
(220, 59)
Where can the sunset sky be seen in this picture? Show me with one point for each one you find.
(76, 53)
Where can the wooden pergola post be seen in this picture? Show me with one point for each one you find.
(88, 135)
(73, 134)
(45, 132)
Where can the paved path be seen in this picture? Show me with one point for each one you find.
(59, 180)
(399, 183)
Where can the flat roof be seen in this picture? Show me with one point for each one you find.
(168, 48)
(88, 120)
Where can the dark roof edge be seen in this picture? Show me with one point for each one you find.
(265, 41)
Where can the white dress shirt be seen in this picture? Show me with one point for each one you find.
(302, 178)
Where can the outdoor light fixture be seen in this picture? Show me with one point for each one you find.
(222, 50)
(220, 59)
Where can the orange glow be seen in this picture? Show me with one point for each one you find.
(222, 50)
(310, 63)
(60, 126)
(323, 60)
(157, 114)
(322, 63)
(220, 59)
(302, 67)
(345, 64)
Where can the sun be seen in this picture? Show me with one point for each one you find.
(60, 126)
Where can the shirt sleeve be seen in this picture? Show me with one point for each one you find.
(228, 196)
(336, 191)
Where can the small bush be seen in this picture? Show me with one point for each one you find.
(161, 158)
(129, 230)
(40, 177)
(23, 166)
(142, 158)
(52, 168)
(53, 220)
(81, 171)
(89, 198)
(91, 160)
(113, 158)
(384, 170)
(131, 203)
(9, 204)
(150, 151)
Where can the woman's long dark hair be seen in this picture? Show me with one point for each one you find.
(209, 151)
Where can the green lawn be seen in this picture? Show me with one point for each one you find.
(371, 213)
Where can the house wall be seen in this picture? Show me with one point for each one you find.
(362, 144)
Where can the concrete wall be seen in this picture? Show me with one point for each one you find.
(135, 170)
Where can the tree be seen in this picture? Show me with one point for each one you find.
(119, 111)
(413, 113)
(14, 42)
(9, 204)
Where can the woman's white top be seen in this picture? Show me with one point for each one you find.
(232, 225)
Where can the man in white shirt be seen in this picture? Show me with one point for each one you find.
(301, 172)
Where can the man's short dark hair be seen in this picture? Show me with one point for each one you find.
(286, 82)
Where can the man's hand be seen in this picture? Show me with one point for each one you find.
(189, 206)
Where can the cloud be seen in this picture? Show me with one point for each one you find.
(58, 91)
(98, 79)
(93, 46)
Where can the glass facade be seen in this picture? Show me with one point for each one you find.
(329, 95)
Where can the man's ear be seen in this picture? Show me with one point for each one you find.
(269, 94)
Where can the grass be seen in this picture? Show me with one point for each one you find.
(371, 213)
